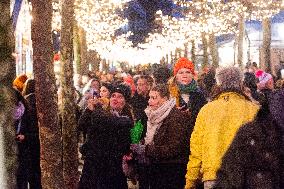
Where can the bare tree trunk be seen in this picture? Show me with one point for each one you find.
(186, 50)
(83, 50)
(172, 58)
(167, 59)
(68, 113)
(213, 50)
(178, 53)
(46, 98)
(94, 58)
(266, 45)
(7, 45)
(163, 61)
(105, 65)
(77, 50)
(176, 56)
(241, 42)
(193, 55)
(8, 146)
(205, 51)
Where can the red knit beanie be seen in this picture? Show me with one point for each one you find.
(183, 63)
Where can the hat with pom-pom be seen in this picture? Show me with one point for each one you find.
(262, 76)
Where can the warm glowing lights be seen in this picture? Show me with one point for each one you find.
(265, 9)
(101, 19)
(56, 16)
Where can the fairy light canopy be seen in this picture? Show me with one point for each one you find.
(263, 9)
(213, 16)
(110, 32)
(101, 21)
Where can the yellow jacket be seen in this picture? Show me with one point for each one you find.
(215, 128)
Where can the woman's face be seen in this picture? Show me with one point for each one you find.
(104, 92)
(117, 101)
(95, 85)
(184, 76)
(155, 100)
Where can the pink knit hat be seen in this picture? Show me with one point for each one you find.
(263, 77)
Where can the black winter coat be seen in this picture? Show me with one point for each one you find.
(108, 139)
(253, 159)
(34, 130)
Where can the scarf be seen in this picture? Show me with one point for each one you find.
(186, 89)
(155, 119)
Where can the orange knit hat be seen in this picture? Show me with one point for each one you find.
(20, 81)
(183, 63)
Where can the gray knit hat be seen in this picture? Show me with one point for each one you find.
(229, 78)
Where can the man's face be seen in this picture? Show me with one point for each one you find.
(142, 87)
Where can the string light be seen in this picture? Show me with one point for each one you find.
(102, 19)
(263, 9)
(56, 16)
(212, 16)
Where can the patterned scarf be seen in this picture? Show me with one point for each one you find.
(156, 118)
(186, 89)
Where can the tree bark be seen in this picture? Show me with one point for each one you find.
(167, 59)
(77, 49)
(8, 146)
(83, 50)
(213, 50)
(241, 42)
(205, 51)
(193, 55)
(7, 45)
(68, 111)
(93, 58)
(172, 58)
(186, 50)
(46, 96)
(266, 45)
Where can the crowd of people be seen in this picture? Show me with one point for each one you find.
(223, 128)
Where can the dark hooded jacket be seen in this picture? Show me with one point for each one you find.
(277, 108)
(253, 159)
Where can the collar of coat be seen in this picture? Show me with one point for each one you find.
(174, 90)
(233, 91)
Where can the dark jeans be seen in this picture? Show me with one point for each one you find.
(28, 170)
(162, 176)
(96, 178)
(144, 176)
